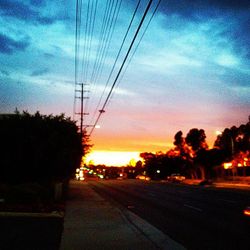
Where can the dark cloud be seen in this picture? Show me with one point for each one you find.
(40, 72)
(228, 4)
(9, 45)
(37, 2)
(236, 13)
(241, 36)
(25, 12)
(199, 8)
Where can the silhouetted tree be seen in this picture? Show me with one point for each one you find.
(179, 141)
(234, 140)
(196, 139)
(150, 162)
(38, 147)
(191, 155)
(209, 159)
(234, 143)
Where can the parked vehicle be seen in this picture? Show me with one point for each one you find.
(247, 211)
(176, 178)
(143, 177)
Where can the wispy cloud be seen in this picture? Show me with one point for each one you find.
(48, 55)
(39, 72)
(4, 73)
(9, 45)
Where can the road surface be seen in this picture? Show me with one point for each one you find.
(197, 217)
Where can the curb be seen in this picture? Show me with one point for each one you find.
(154, 235)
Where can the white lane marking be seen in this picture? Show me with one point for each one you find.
(192, 207)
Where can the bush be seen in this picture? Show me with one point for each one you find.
(37, 148)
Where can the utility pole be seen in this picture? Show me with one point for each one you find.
(81, 113)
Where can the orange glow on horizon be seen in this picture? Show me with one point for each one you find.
(113, 158)
(123, 148)
(122, 151)
(128, 143)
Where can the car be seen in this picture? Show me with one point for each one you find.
(246, 211)
(80, 174)
(176, 178)
(143, 177)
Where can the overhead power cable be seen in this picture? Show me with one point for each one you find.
(84, 53)
(91, 30)
(99, 64)
(89, 46)
(136, 48)
(102, 34)
(118, 55)
(122, 65)
(103, 39)
(77, 47)
(107, 41)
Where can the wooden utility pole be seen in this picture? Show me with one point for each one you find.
(81, 113)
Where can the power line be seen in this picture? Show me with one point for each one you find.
(101, 42)
(92, 25)
(118, 55)
(136, 48)
(90, 46)
(77, 46)
(105, 44)
(101, 111)
(104, 34)
(112, 9)
(83, 70)
(108, 40)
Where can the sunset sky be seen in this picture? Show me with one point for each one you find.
(191, 69)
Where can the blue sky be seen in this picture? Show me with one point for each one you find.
(192, 68)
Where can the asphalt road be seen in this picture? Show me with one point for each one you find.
(197, 217)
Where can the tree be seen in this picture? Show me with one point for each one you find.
(179, 141)
(209, 159)
(234, 140)
(38, 147)
(149, 162)
(196, 140)
(181, 146)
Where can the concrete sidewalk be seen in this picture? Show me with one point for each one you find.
(91, 223)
